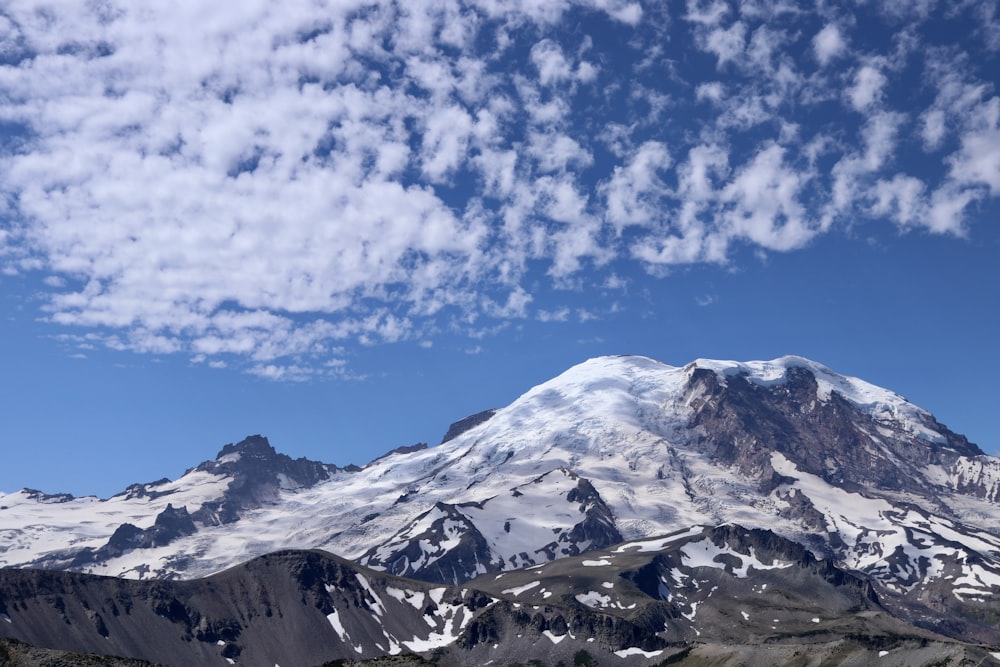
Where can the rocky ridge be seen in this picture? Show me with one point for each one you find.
(668, 600)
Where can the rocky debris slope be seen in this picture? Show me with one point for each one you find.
(736, 594)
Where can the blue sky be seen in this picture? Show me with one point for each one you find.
(345, 225)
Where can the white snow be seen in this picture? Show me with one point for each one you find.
(626, 652)
(521, 589)
(413, 598)
(593, 599)
(376, 603)
(659, 544)
(555, 639)
(596, 563)
(704, 553)
(338, 627)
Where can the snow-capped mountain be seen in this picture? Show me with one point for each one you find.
(616, 448)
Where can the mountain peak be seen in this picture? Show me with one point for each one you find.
(256, 446)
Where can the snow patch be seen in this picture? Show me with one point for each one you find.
(646, 546)
(338, 627)
(626, 652)
(705, 553)
(596, 563)
(555, 639)
(520, 589)
(593, 599)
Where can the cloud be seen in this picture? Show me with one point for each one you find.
(260, 186)
(828, 44)
(634, 191)
(867, 88)
(977, 162)
(554, 68)
(726, 44)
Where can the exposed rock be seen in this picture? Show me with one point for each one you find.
(257, 472)
(450, 549)
(463, 425)
(743, 422)
(405, 449)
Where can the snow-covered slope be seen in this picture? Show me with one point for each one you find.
(614, 448)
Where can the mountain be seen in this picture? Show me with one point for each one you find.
(706, 592)
(616, 448)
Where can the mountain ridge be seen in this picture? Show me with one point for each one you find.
(722, 589)
(614, 448)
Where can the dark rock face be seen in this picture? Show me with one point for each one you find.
(743, 423)
(405, 449)
(257, 471)
(295, 608)
(144, 490)
(598, 526)
(463, 425)
(170, 524)
(42, 497)
(597, 529)
(450, 550)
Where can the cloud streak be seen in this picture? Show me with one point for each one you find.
(269, 182)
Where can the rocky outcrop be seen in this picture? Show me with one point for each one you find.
(742, 422)
(470, 422)
(442, 544)
(170, 524)
(258, 472)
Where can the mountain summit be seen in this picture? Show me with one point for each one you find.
(615, 448)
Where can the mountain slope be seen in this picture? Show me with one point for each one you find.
(614, 448)
(724, 588)
(321, 607)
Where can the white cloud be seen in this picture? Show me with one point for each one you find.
(828, 44)
(867, 88)
(977, 162)
(713, 91)
(901, 198)
(707, 12)
(634, 191)
(726, 44)
(553, 67)
(261, 184)
(765, 206)
(560, 315)
(445, 142)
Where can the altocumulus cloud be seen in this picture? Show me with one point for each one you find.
(261, 183)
